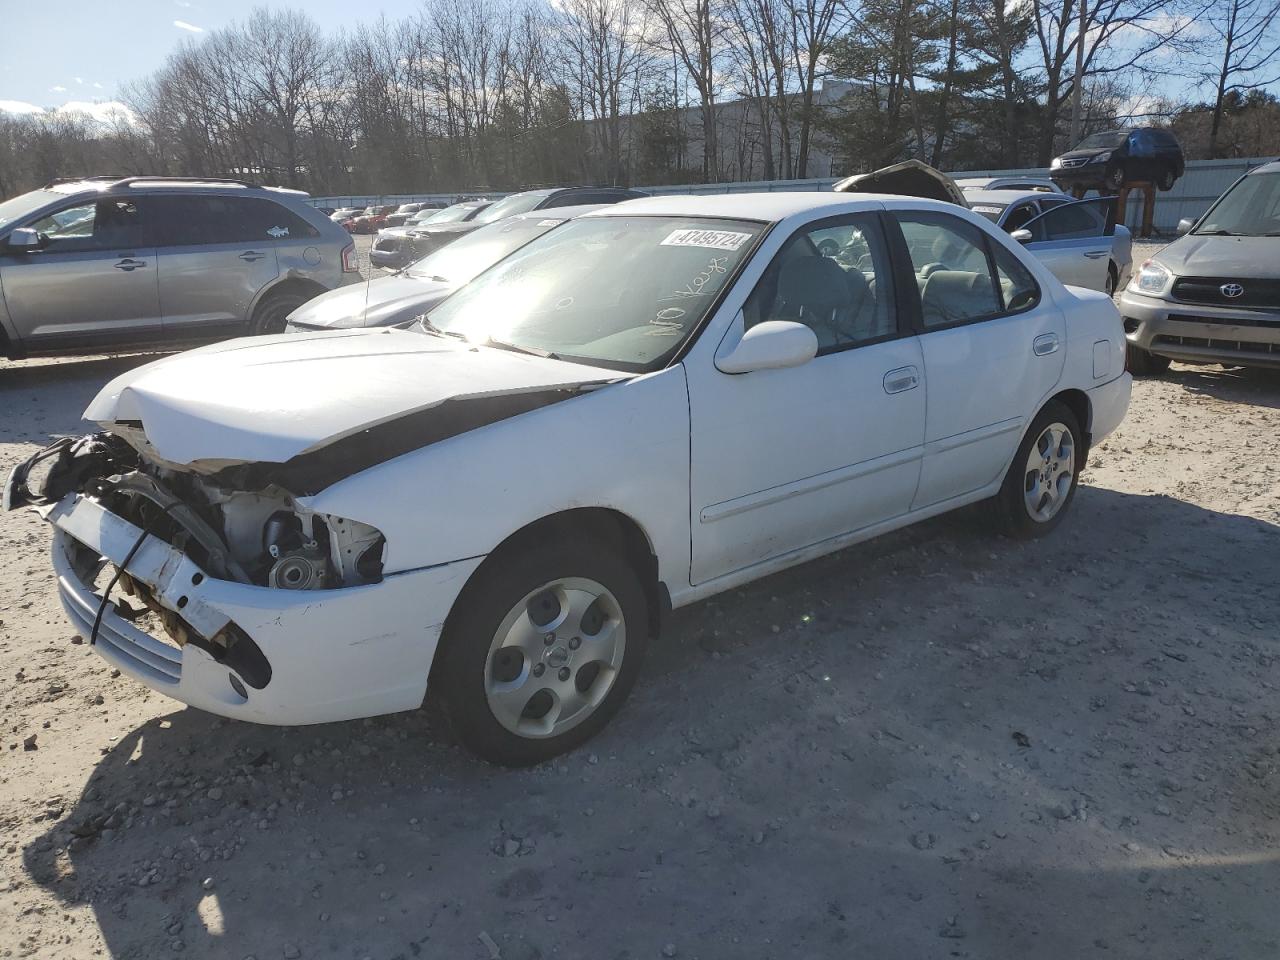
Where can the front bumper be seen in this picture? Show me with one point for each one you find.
(333, 654)
(1201, 333)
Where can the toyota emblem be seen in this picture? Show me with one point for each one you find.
(1232, 290)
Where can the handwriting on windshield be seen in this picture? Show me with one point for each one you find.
(695, 288)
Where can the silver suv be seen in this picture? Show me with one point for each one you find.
(1213, 295)
(110, 263)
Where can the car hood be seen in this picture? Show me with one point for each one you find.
(1077, 154)
(910, 178)
(455, 227)
(1205, 256)
(270, 399)
(381, 302)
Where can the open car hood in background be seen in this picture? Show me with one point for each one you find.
(910, 178)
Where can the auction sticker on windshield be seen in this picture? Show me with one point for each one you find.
(710, 239)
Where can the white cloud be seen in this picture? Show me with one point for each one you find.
(58, 89)
(107, 111)
(79, 80)
(19, 107)
(189, 27)
(97, 86)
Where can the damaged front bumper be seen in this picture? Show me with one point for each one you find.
(329, 655)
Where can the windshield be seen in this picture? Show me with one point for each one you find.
(618, 292)
(510, 206)
(451, 214)
(1108, 140)
(463, 259)
(1249, 209)
(20, 206)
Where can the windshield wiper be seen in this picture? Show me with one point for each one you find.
(432, 329)
(517, 348)
(1219, 233)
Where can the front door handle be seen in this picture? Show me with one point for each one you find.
(251, 256)
(128, 264)
(1045, 344)
(901, 380)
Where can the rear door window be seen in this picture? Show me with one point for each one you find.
(953, 272)
(203, 221)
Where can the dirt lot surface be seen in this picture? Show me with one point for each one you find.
(938, 744)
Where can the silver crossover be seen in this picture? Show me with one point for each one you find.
(1213, 295)
(141, 262)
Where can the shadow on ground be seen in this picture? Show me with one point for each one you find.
(936, 744)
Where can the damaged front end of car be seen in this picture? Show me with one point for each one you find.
(196, 587)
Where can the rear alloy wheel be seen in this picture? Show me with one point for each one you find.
(273, 313)
(543, 649)
(1141, 363)
(1041, 481)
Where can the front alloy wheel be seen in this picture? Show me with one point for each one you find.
(555, 656)
(543, 645)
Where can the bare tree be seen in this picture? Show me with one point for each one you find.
(693, 31)
(1246, 42)
(813, 25)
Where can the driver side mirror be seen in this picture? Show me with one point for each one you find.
(1022, 235)
(771, 345)
(1185, 225)
(24, 240)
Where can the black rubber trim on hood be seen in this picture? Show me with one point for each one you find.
(313, 470)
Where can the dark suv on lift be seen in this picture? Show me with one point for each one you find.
(111, 263)
(1107, 161)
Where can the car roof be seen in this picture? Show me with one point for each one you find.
(557, 213)
(1271, 166)
(769, 207)
(1004, 197)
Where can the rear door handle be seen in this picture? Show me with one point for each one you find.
(1045, 344)
(251, 256)
(128, 264)
(1095, 254)
(901, 380)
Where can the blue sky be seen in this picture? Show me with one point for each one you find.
(58, 51)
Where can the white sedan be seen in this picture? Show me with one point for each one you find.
(647, 406)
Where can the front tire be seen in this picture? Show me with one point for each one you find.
(542, 649)
(1143, 364)
(1041, 481)
(1114, 178)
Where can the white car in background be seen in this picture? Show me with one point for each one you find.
(646, 406)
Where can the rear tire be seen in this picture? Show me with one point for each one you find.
(1113, 279)
(1140, 363)
(508, 679)
(1167, 178)
(1041, 481)
(272, 314)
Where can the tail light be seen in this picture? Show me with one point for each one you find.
(349, 264)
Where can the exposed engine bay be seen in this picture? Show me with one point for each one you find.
(262, 536)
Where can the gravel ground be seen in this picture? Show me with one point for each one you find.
(937, 744)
